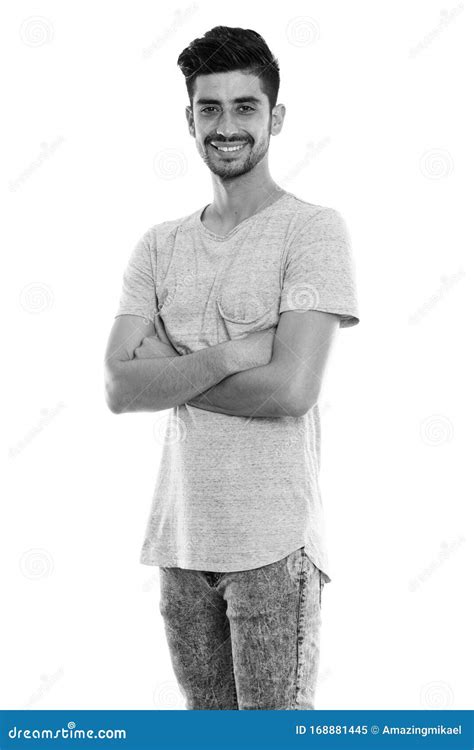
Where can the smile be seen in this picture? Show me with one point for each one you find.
(228, 149)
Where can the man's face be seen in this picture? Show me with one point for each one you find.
(230, 110)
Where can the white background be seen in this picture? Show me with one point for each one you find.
(95, 151)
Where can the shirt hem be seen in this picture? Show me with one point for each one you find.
(152, 557)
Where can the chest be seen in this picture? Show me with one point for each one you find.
(213, 293)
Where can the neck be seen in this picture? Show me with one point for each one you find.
(236, 200)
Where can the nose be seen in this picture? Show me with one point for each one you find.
(226, 126)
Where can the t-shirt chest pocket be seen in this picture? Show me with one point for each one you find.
(248, 305)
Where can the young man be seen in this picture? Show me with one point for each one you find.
(226, 318)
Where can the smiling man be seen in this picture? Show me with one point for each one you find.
(226, 318)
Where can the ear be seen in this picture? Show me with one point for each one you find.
(278, 116)
(190, 119)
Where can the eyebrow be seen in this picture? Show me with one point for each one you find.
(238, 100)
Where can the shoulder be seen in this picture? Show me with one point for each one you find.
(314, 219)
(158, 234)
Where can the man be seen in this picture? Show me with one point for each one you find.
(226, 318)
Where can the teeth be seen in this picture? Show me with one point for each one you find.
(228, 148)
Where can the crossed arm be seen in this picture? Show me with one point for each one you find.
(257, 392)
(288, 385)
(260, 392)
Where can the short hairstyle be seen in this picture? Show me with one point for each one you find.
(225, 48)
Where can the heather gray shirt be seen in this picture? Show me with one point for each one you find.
(235, 493)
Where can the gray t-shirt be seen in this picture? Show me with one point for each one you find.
(235, 493)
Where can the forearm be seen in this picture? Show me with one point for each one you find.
(163, 382)
(258, 392)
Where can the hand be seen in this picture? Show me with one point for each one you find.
(161, 332)
(151, 347)
(156, 346)
(257, 347)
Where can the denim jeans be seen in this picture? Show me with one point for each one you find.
(248, 639)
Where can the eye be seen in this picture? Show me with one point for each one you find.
(245, 107)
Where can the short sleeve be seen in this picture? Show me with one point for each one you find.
(138, 295)
(319, 270)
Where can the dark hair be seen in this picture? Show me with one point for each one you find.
(224, 48)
